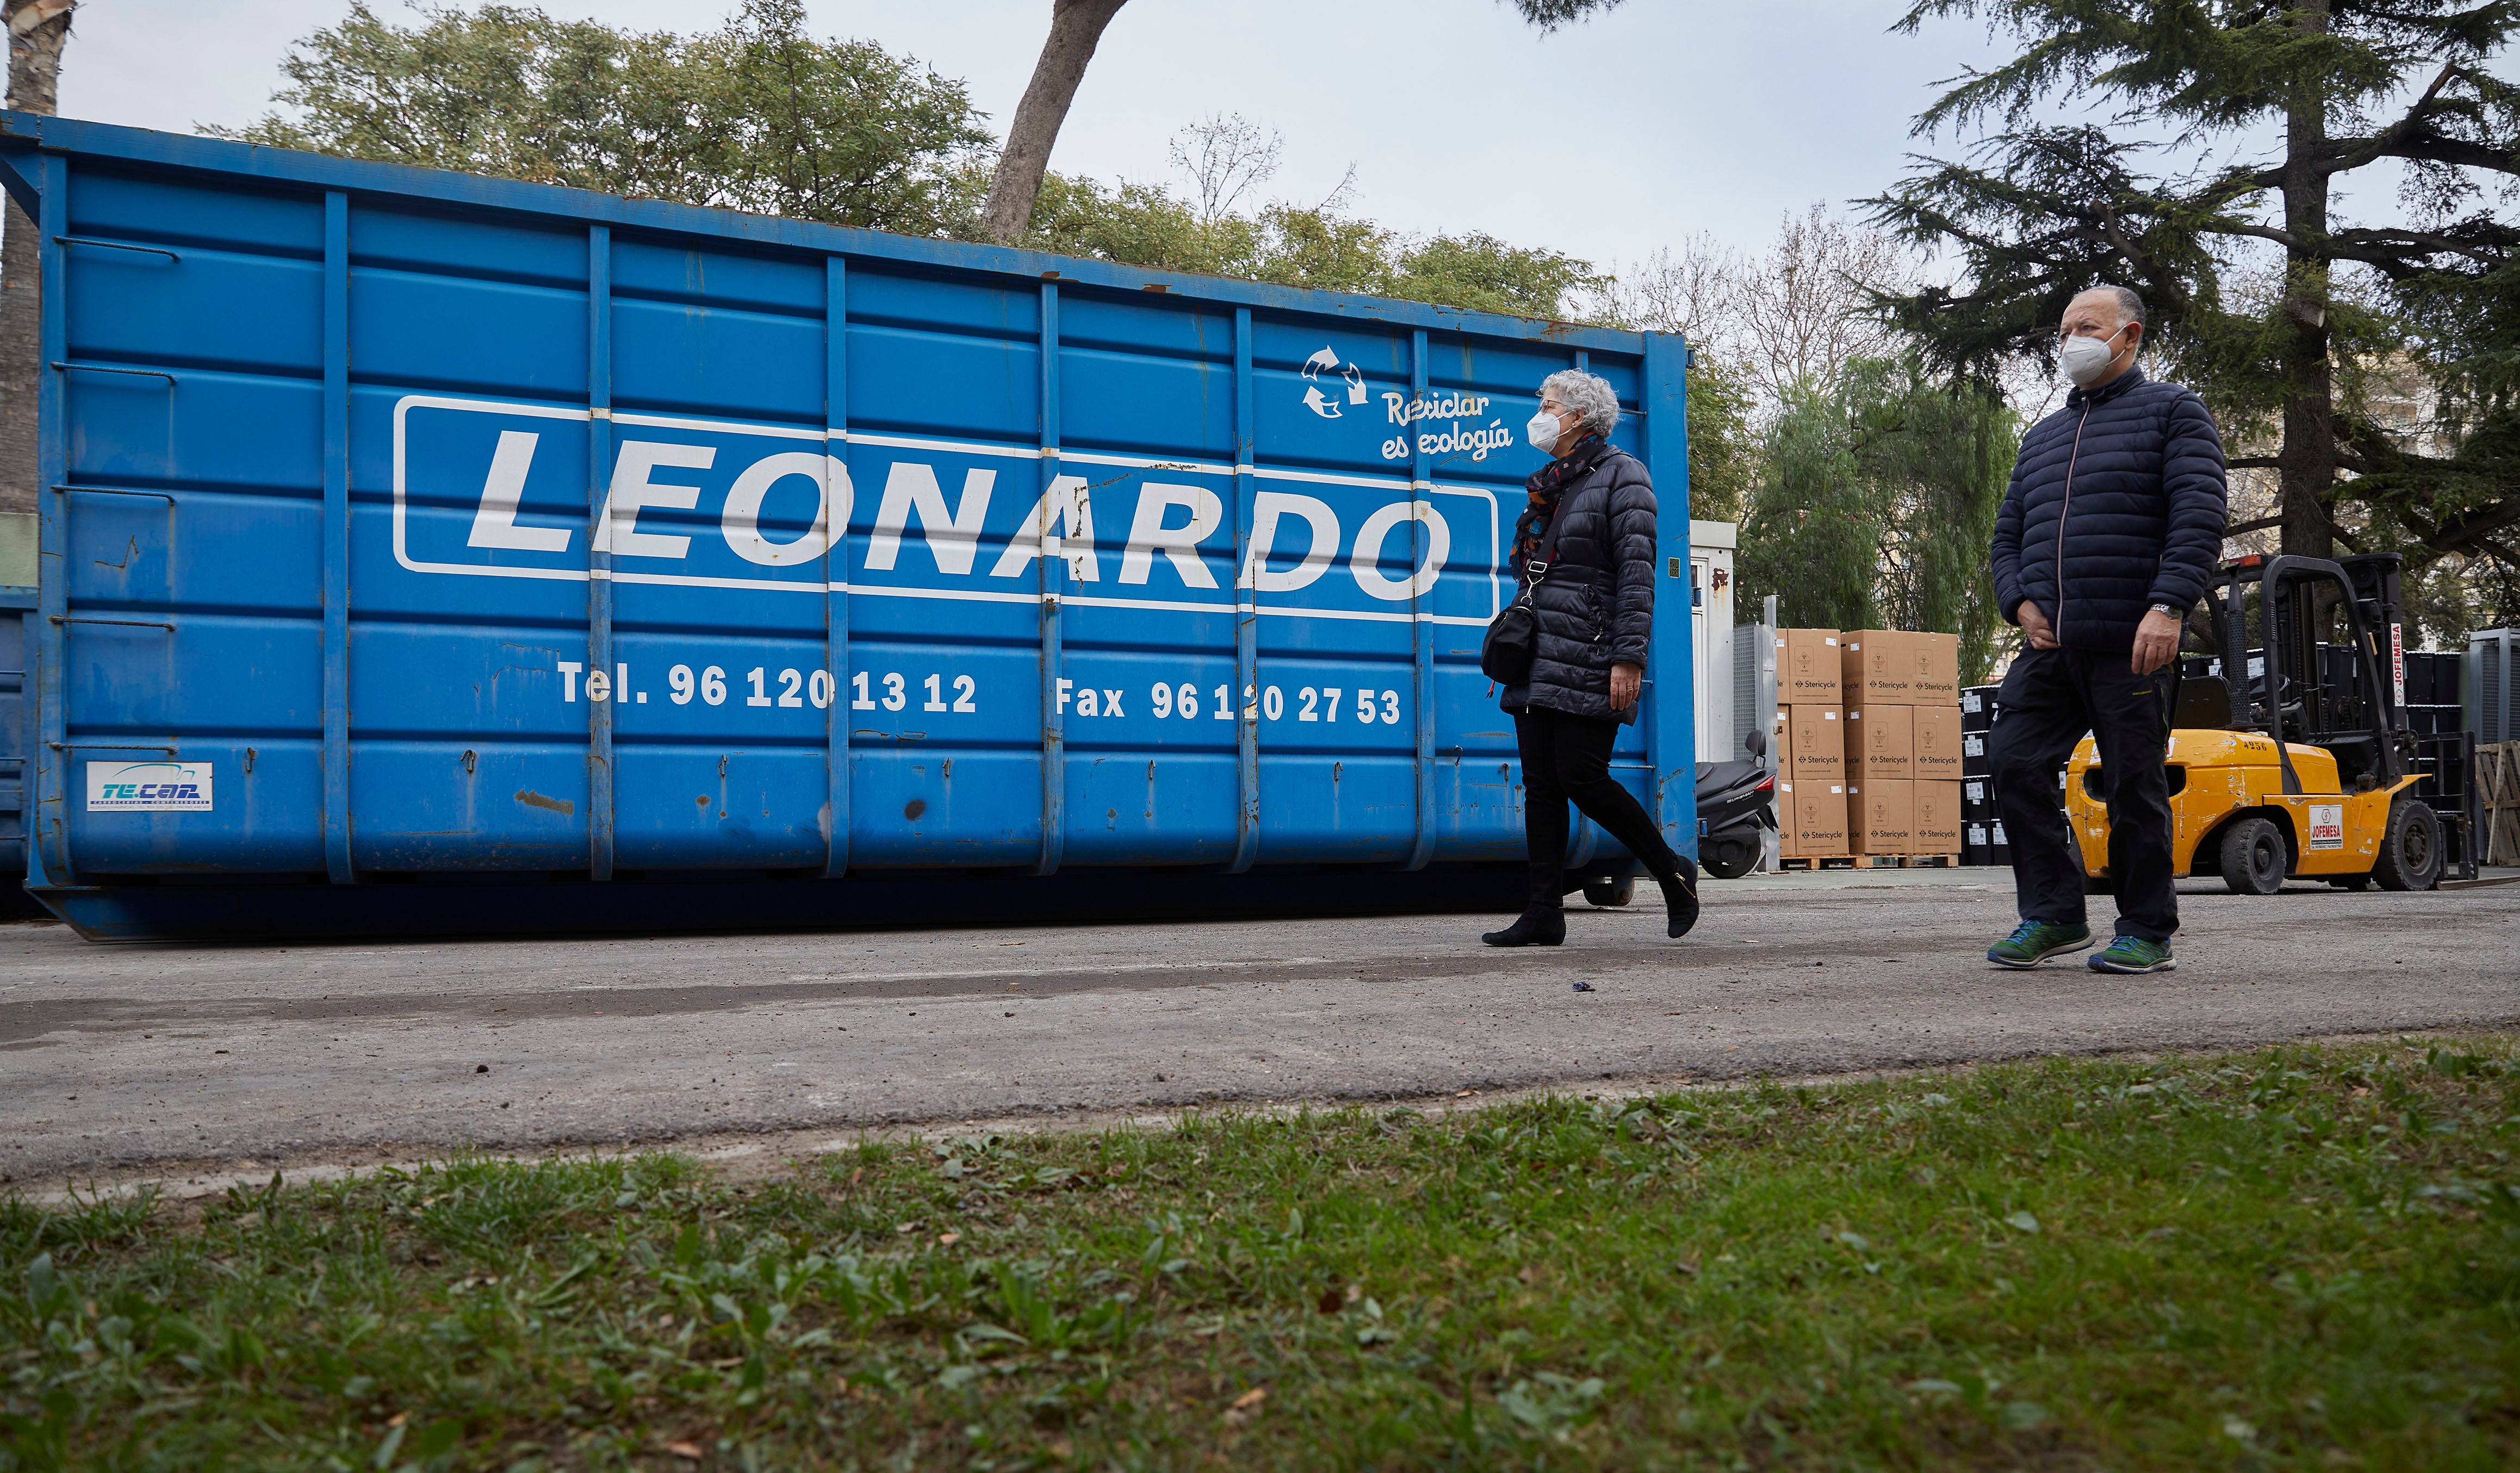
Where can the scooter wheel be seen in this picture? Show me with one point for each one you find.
(1731, 859)
(1613, 893)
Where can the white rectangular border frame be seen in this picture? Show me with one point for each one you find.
(402, 552)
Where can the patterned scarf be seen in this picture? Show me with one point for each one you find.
(1546, 486)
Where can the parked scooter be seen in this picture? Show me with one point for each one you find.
(1736, 803)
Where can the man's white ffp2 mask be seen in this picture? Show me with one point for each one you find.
(2087, 359)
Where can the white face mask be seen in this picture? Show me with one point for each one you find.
(1542, 433)
(2087, 359)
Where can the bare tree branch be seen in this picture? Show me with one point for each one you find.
(1225, 157)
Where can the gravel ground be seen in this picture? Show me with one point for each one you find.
(168, 1058)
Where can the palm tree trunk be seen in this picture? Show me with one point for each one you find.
(1075, 30)
(37, 30)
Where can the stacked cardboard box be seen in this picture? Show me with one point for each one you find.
(1811, 736)
(1868, 725)
(1900, 695)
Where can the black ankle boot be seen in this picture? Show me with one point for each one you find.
(1679, 895)
(1538, 926)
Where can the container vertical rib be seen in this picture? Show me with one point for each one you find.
(1053, 585)
(599, 556)
(1670, 695)
(336, 537)
(837, 501)
(1247, 614)
(1421, 627)
(49, 848)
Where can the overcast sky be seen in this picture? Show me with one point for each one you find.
(1607, 140)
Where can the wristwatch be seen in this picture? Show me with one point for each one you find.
(2164, 609)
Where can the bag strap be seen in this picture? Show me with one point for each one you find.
(1536, 571)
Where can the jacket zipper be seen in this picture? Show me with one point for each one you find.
(2057, 625)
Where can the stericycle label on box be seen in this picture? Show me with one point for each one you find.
(149, 787)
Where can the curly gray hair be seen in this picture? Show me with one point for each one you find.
(1589, 392)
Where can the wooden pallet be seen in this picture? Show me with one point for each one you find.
(2498, 793)
(1814, 862)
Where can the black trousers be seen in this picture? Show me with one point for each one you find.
(1567, 757)
(2050, 698)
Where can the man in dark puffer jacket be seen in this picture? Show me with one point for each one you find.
(2110, 534)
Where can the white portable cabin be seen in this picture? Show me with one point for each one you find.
(1710, 591)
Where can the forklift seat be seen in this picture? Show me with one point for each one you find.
(2204, 705)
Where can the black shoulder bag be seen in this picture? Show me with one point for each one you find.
(1514, 635)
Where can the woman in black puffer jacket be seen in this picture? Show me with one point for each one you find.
(1594, 609)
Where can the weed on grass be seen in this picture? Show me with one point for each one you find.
(2295, 1258)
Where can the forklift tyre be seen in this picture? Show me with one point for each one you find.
(1610, 893)
(2410, 849)
(2255, 857)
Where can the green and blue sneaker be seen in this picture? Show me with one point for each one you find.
(2035, 941)
(2134, 954)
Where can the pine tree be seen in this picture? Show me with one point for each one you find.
(2041, 210)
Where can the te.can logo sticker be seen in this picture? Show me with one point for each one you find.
(149, 787)
(2326, 826)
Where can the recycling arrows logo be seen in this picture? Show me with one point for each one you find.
(1326, 361)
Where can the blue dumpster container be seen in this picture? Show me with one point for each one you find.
(422, 550)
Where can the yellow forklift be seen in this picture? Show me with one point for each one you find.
(2314, 773)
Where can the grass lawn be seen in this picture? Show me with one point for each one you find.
(2293, 1258)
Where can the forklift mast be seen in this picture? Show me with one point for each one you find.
(2374, 576)
(2354, 708)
